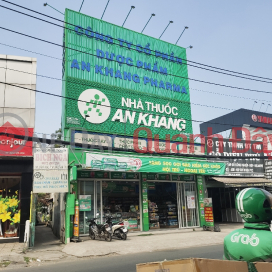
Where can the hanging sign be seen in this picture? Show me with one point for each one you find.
(50, 173)
(98, 161)
(85, 203)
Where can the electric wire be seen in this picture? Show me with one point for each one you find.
(133, 110)
(214, 67)
(196, 104)
(95, 147)
(205, 91)
(197, 80)
(150, 50)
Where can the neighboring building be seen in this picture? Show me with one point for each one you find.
(122, 92)
(17, 116)
(253, 129)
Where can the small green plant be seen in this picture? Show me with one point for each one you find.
(4, 264)
(148, 234)
(27, 259)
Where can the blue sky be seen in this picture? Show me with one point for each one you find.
(233, 35)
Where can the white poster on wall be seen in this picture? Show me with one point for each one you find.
(50, 173)
(191, 202)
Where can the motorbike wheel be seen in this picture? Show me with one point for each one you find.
(123, 236)
(91, 234)
(108, 237)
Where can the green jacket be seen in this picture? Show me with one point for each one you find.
(252, 243)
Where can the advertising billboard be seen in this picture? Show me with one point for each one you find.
(251, 167)
(17, 104)
(118, 80)
(50, 173)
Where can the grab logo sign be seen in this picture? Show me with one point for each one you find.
(245, 239)
(94, 106)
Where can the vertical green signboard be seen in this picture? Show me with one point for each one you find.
(145, 202)
(124, 80)
(201, 195)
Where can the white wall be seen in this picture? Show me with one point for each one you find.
(19, 71)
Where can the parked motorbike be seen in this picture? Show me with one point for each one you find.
(119, 230)
(100, 230)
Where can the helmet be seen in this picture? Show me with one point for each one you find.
(254, 205)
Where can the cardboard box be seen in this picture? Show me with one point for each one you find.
(263, 267)
(195, 265)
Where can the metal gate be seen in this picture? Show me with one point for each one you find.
(187, 205)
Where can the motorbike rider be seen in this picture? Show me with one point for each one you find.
(253, 242)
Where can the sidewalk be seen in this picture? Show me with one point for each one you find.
(49, 249)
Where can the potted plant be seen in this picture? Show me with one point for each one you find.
(9, 212)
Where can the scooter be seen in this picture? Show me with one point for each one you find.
(100, 230)
(119, 230)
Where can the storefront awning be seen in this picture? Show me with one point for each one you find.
(243, 181)
(151, 164)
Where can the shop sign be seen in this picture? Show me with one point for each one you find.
(10, 146)
(126, 82)
(268, 169)
(85, 203)
(191, 202)
(73, 174)
(251, 167)
(201, 195)
(93, 174)
(50, 173)
(124, 175)
(128, 143)
(183, 177)
(92, 139)
(100, 161)
(208, 210)
(152, 176)
(145, 198)
(161, 145)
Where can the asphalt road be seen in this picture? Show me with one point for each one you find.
(127, 263)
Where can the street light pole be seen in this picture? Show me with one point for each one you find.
(46, 4)
(186, 27)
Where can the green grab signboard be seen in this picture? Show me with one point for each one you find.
(152, 164)
(120, 80)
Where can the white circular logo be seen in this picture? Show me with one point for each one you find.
(94, 106)
(254, 117)
(210, 143)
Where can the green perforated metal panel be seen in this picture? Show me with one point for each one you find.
(94, 108)
(157, 76)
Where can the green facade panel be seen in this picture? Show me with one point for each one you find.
(122, 63)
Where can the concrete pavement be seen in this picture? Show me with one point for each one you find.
(48, 249)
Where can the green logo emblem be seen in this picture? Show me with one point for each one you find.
(95, 105)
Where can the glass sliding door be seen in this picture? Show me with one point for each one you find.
(89, 196)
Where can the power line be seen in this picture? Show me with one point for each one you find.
(30, 51)
(150, 50)
(95, 147)
(88, 85)
(74, 99)
(197, 80)
(133, 44)
(229, 95)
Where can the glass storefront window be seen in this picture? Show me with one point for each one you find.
(121, 200)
